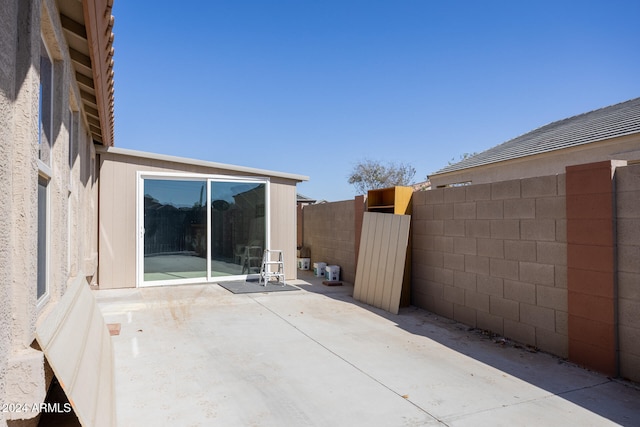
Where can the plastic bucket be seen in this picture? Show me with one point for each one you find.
(318, 268)
(303, 263)
(332, 272)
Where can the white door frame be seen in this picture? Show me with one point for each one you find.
(142, 175)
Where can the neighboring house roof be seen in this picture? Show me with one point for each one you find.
(421, 186)
(301, 198)
(204, 163)
(598, 125)
(87, 26)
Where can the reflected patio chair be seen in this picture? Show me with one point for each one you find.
(252, 259)
(238, 253)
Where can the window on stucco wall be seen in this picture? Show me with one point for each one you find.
(45, 143)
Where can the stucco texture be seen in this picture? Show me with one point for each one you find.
(71, 193)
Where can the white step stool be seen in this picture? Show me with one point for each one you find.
(272, 266)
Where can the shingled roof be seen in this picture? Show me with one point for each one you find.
(598, 125)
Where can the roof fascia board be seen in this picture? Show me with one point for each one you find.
(98, 33)
(196, 162)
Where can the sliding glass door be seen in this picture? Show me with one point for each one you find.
(196, 230)
(175, 223)
(237, 227)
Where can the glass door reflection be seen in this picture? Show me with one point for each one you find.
(238, 225)
(175, 229)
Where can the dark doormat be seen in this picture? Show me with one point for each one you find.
(250, 287)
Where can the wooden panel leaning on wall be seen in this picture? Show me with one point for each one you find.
(381, 260)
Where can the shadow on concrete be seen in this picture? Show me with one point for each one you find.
(614, 399)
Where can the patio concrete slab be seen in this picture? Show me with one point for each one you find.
(199, 355)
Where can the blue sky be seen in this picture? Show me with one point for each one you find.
(314, 87)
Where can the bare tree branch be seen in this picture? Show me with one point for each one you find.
(372, 174)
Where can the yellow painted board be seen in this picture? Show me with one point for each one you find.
(403, 200)
(396, 200)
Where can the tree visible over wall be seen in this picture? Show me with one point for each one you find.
(372, 174)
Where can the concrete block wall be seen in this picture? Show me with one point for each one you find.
(494, 256)
(299, 225)
(552, 261)
(591, 272)
(627, 183)
(329, 232)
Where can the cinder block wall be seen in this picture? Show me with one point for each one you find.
(628, 235)
(299, 223)
(329, 231)
(591, 271)
(494, 256)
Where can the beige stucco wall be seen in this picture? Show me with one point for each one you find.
(551, 163)
(72, 195)
(118, 181)
(284, 222)
(8, 68)
(18, 187)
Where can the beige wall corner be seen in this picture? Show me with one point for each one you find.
(25, 383)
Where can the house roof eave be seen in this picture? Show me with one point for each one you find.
(204, 163)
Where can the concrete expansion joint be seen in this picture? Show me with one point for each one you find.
(626, 383)
(354, 366)
(494, 408)
(608, 381)
(538, 399)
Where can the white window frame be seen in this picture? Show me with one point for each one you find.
(44, 172)
(51, 99)
(72, 148)
(142, 175)
(72, 143)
